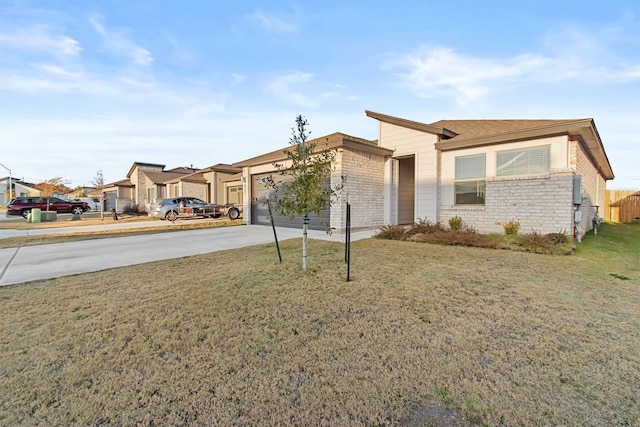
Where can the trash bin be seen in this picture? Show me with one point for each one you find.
(36, 215)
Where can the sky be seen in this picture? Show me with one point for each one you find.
(88, 86)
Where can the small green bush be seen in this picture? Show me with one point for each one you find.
(455, 223)
(511, 227)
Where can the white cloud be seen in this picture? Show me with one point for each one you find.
(237, 79)
(276, 24)
(281, 86)
(436, 71)
(117, 41)
(40, 39)
(288, 86)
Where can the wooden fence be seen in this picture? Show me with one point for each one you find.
(621, 206)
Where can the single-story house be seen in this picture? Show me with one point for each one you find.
(118, 195)
(19, 188)
(546, 174)
(215, 184)
(549, 175)
(147, 183)
(360, 160)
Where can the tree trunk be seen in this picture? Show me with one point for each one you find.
(305, 222)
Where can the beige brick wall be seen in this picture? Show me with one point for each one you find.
(593, 185)
(364, 186)
(193, 189)
(540, 204)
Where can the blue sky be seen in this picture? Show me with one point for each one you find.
(97, 85)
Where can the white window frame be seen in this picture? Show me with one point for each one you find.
(468, 177)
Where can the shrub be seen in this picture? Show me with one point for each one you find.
(391, 232)
(558, 238)
(455, 223)
(424, 226)
(511, 227)
(536, 241)
(131, 210)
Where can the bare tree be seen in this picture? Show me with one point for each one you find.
(98, 183)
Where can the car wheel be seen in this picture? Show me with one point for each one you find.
(77, 210)
(25, 213)
(171, 216)
(234, 213)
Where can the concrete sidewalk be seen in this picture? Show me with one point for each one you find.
(31, 263)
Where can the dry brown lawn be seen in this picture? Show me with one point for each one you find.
(422, 333)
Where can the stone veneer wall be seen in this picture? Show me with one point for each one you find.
(540, 204)
(364, 185)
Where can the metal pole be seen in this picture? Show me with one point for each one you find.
(305, 222)
(348, 242)
(273, 226)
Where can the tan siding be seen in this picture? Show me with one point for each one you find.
(409, 142)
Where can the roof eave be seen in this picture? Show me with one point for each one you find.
(422, 127)
(583, 129)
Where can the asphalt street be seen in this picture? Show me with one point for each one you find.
(29, 263)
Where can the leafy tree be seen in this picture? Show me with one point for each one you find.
(53, 185)
(307, 187)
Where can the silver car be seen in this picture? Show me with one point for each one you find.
(187, 207)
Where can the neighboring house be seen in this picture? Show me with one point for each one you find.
(19, 187)
(543, 173)
(147, 183)
(212, 184)
(150, 182)
(118, 195)
(362, 163)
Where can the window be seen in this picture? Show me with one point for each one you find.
(150, 197)
(470, 180)
(528, 161)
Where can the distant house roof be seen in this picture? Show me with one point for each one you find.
(224, 168)
(121, 183)
(328, 142)
(458, 134)
(136, 164)
(163, 177)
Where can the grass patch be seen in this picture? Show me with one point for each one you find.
(229, 338)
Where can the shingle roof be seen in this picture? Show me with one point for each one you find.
(163, 177)
(467, 129)
(459, 134)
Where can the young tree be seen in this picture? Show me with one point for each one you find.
(98, 183)
(307, 187)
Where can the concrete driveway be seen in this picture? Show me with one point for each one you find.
(31, 263)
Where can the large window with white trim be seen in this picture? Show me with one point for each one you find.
(470, 182)
(525, 161)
